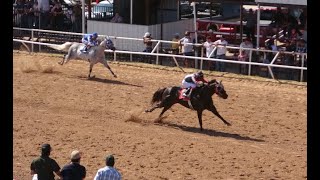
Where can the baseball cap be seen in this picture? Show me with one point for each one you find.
(75, 155)
(46, 147)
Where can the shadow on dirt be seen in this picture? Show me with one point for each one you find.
(209, 132)
(108, 81)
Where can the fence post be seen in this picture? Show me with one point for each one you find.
(250, 60)
(157, 58)
(32, 37)
(302, 64)
(201, 61)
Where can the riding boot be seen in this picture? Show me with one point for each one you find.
(85, 49)
(187, 93)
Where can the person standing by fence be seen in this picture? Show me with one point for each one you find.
(250, 26)
(44, 166)
(74, 170)
(209, 48)
(187, 49)
(221, 53)
(108, 172)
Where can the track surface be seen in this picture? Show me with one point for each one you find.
(59, 105)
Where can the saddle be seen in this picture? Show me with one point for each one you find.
(181, 96)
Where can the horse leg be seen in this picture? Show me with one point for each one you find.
(165, 109)
(215, 112)
(61, 62)
(200, 118)
(105, 63)
(90, 70)
(152, 108)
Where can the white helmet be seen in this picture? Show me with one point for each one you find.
(147, 34)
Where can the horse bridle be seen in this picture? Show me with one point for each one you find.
(218, 88)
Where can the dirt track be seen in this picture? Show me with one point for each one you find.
(59, 105)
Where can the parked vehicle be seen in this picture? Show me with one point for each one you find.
(102, 10)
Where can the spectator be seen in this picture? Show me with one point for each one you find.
(44, 7)
(244, 54)
(147, 41)
(35, 13)
(148, 47)
(221, 52)
(304, 33)
(44, 166)
(295, 34)
(187, 49)
(57, 16)
(117, 18)
(108, 172)
(209, 47)
(74, 171)
(277, 19)
(301, 46)
(175, 46)
(251, 19)
(208, 44)
(270, 46)
(289, 58)
(76, 18)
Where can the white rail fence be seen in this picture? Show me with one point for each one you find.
(156, 52)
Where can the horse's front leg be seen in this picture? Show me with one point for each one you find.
(215, 112)
(90, 70)
(105, 63)
(200, 118)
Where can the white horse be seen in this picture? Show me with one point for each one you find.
(94, 55)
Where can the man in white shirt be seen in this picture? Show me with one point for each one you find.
(209, 47)
(187, 49)
(221, 52)
(244, 54)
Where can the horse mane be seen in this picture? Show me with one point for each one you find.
(212, 81)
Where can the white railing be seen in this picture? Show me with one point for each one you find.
(155, 52)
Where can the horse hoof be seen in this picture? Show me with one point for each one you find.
(91, 77)
(115, 76)
(60, 63)
(228, 124)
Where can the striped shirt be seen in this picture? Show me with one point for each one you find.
(107, 173)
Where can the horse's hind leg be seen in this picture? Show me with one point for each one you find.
(105, 63)
(66, 58)
(153, 108)
(158, 105)
(215, 112)
(61, 62)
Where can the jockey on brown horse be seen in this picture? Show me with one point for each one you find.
(192, 81)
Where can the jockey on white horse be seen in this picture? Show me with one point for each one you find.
(89, 40)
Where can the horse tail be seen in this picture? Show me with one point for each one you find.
(157, 96)
(63, 47)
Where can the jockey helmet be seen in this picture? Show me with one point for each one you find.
(95, 34)
(199, 74)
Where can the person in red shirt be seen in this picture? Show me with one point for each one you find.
(192, 81)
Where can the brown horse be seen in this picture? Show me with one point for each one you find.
(200, 99)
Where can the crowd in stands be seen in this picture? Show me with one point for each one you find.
(47, 14)
(46, 168)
